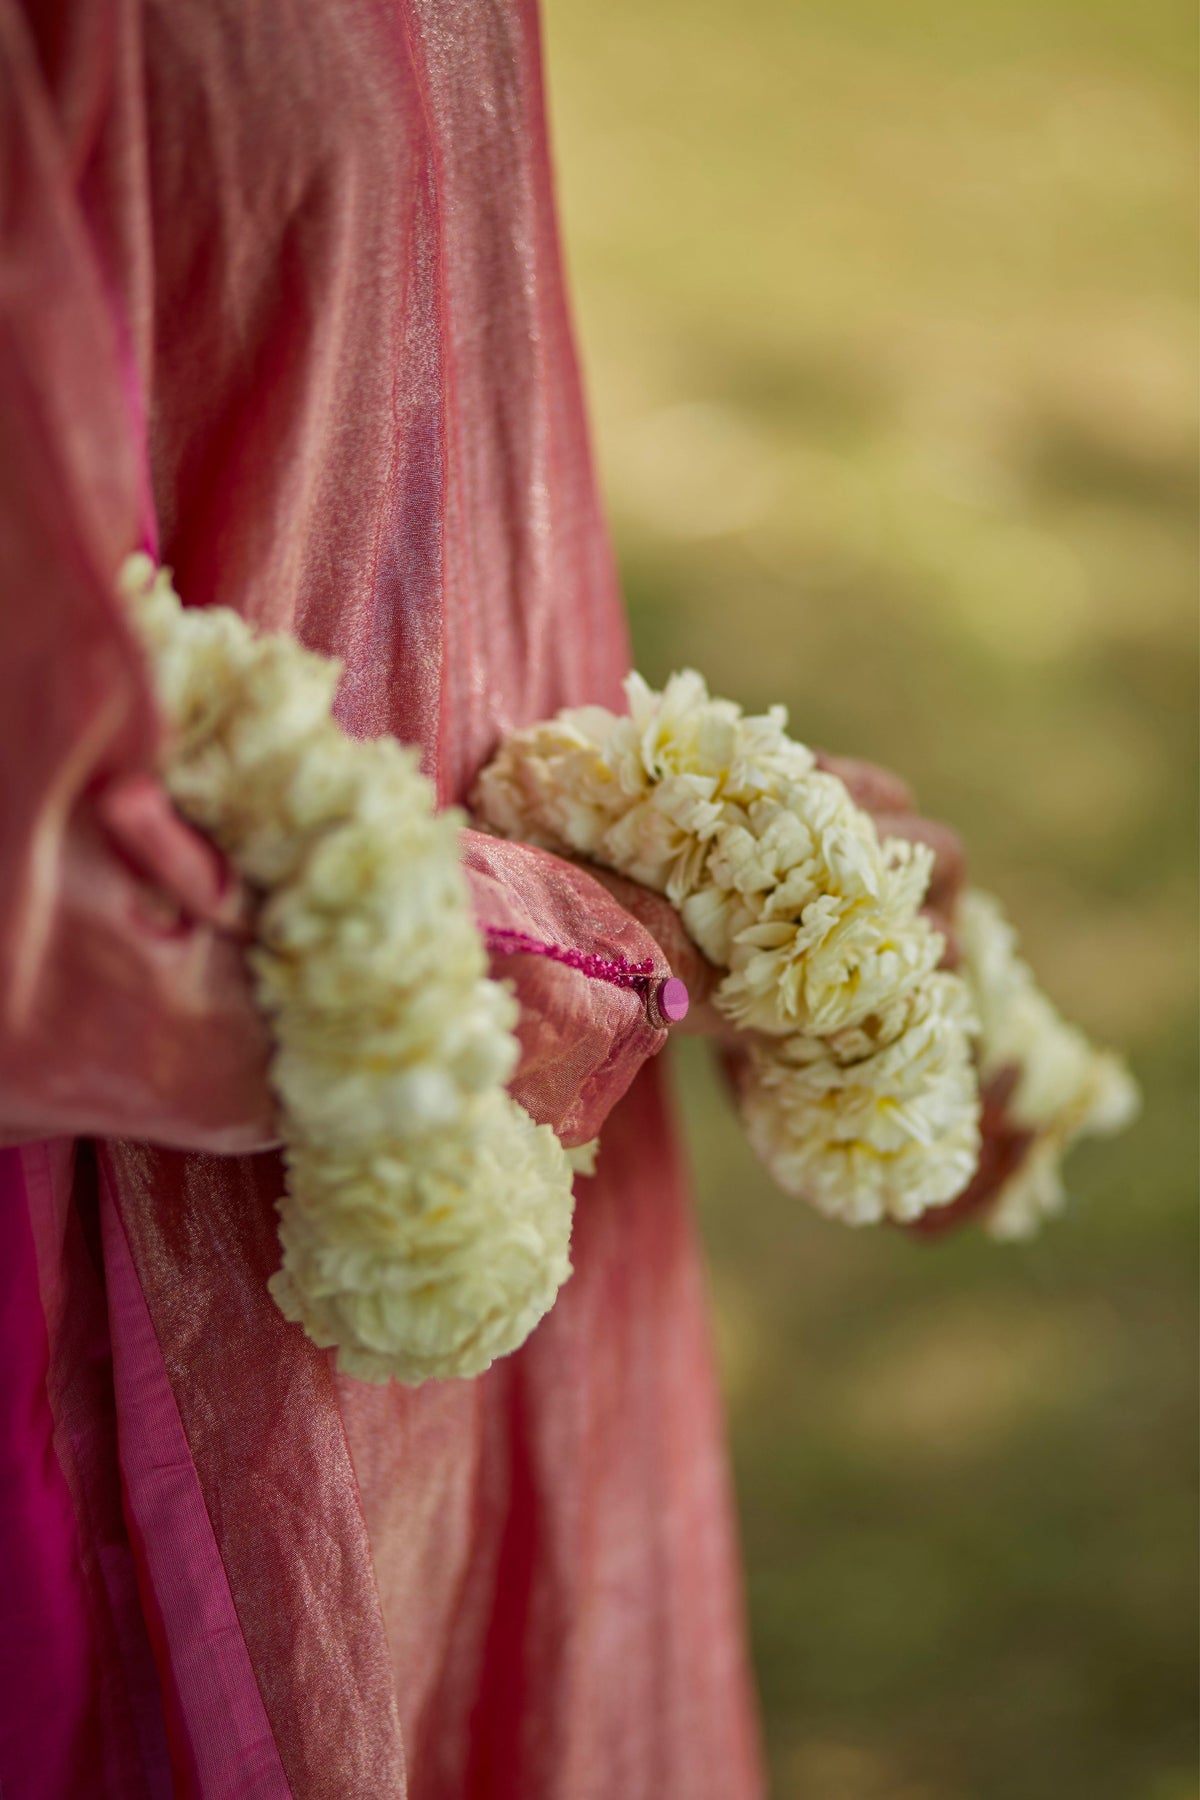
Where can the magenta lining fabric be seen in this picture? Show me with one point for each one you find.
(230, 1743)
(45, 1636)
(108, 1736)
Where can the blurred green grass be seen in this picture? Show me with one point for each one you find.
(888, 318)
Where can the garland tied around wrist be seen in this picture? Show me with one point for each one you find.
(859, 1087)
(426, 1222)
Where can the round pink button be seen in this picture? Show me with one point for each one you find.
(672, 1000)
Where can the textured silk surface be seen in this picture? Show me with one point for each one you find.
(282, 301)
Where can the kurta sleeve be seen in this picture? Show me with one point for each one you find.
(582, 1039)
(123, 1015)
(119, 1015)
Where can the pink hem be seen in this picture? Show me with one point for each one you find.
(217, 1707)
(48, 1726)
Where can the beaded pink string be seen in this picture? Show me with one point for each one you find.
(665, 1000)
(615, 970)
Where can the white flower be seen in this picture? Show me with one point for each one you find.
(861, 1093)
(584, 1157)
(692, 799)
(426, 1222)
(878, 1121)
(783, 882)
(554, 785)
(428, 1262)
(713, 917)
(842, 958)
(1065, 1088)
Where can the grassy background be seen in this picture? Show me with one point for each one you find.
(888, 319)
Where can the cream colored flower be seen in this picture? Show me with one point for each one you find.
(867, 1101)
(584, 1157)
(783, 882)
(878, 1121)
(431, 1257)
(426, 1222)
(1065, 1088)
(839, 956)
(551, 785)
(700, 803)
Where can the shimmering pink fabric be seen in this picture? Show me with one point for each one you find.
(582, 1042)
(282, 284)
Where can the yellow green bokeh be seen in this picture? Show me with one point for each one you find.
(889, 324)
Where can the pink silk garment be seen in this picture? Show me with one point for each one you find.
(280, 300)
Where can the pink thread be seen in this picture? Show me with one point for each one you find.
(615, 970)
(665, 999)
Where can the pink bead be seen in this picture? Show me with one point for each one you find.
(672, 1000)
(666, 1001)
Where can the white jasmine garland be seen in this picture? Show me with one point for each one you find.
(426, 1222)
(859, 1092)
(871, 1124)
(1065, 1088)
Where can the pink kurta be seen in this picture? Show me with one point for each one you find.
(280, 298)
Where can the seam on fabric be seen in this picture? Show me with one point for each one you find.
(419, 68)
